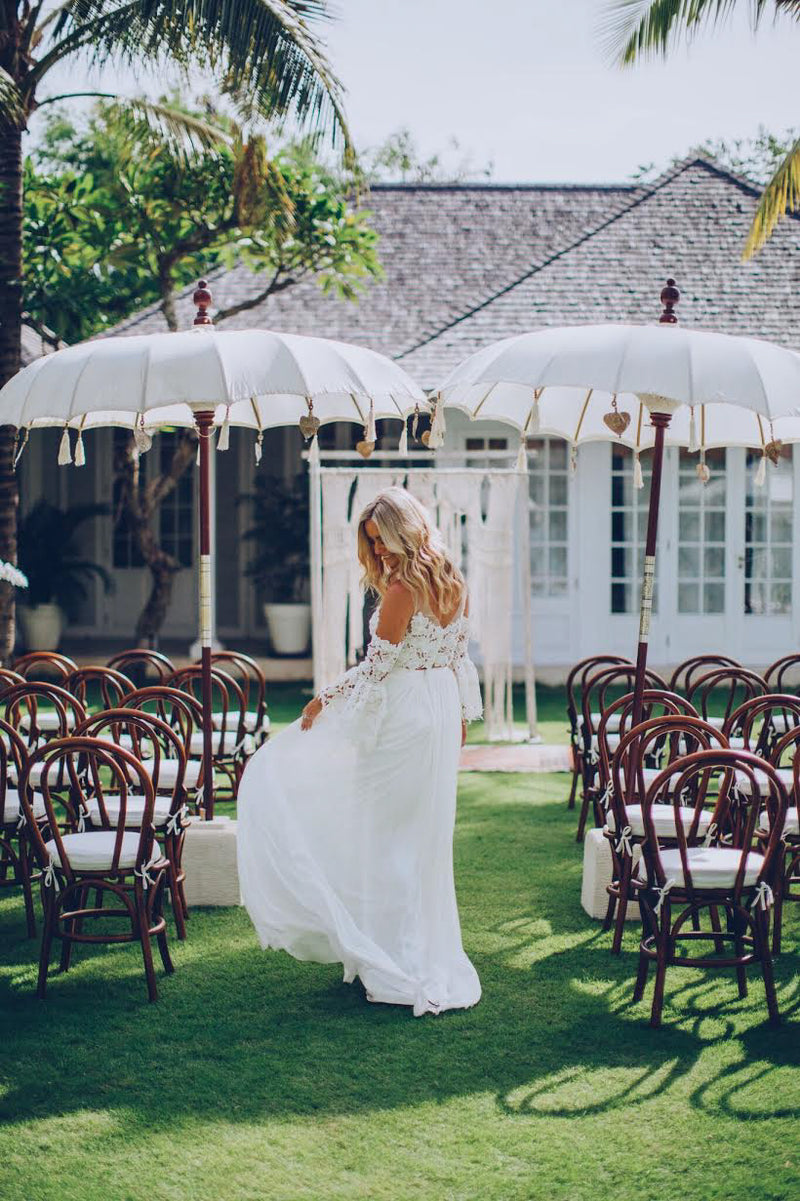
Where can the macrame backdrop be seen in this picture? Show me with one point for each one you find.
(478, 512)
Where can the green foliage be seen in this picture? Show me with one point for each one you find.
(635, 29)
(51, 558)
(279, 531)
(117, 218)
(399, 158)
(756, 158)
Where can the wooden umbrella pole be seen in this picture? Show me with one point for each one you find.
(660, 421)
(205, 424)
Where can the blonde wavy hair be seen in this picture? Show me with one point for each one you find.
(423, 563)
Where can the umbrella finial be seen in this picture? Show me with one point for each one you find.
(669, 298)
(202, 298)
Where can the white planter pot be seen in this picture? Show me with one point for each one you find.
(289, 628)
(42, 626)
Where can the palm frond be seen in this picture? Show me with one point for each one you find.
(636, 29)
(781, 195)
(12, 108)
(264, 51)
(149, 121)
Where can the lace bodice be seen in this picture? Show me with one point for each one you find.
(426, 644)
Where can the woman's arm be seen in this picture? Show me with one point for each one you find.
(358, 687)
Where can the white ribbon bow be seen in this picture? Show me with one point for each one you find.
(174, 824)
(144, 874)
(50, 878)
(662, 894)
(605, 799)
(763, 897)
(623, 845)
(711, 834)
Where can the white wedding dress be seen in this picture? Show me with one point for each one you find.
(346, 830)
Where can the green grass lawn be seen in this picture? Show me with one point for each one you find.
(255, 1077)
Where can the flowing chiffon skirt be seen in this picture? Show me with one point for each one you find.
(346, 844)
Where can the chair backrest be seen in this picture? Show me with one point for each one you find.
(685, 674)
(151, 739)
(596, 697)
(9, 678)
(94, 769)
(13, 753)
(249, 677)
(762, 720)
(784, 675)
(22, 705)
(227, 701)
(661, 740)
(44, 666)
(112, 685)
(141, 664)
(616, 720)
(724, 688)
(576, 682)
(181, 712)
(741, 784)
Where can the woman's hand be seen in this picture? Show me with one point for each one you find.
(463, 731)
(310, 713)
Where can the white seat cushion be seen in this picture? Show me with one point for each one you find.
(35, 776)
(790, 826)
(232, 721)
(782, 722)
(613, 722)
(11, 807)
(742, 780)
(168, 772)
(663, 820)
(134, 810)
(229, 741)
(94, 850)
(711, 867)
(613, 741)
(47, 720)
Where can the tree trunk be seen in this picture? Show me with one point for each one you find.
(10, 335)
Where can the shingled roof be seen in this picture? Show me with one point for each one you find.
(467, 264)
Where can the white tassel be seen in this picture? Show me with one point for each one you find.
(224, 439)
(638, 478)
(402, 446)
(703, 471)
(80, 453)
(693, 444)
(438, 427)
(761, 473)
(197, 456)
(65, 449)
(313, 452)
(259, 446)
(573, 458)
(534, 421)
(22, 445)
(522, 456)
(142, 440)
(370, 433)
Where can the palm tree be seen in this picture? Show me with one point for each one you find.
(636, 29)
(265, 55)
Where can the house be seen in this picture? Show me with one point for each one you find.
(467, 264)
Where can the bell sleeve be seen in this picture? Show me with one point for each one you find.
(469, 689)
(360, 692)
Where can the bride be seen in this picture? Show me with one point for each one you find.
(346, 818)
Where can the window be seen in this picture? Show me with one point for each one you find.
(701, 535)
(548, 492)
(628, 532)
(768, 536)
(176, 512)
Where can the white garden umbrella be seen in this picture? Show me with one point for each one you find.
(204, 378)
(599, 381)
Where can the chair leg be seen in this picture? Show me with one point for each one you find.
(176, 901)
(584, 813)
(777, 907)
(27, 890)
(608, 920)
(573, 790)
(50, 913)
(761, 938)
(741, 974)
(622, 904)
(662, 946)
(144, 937)
(713, 912)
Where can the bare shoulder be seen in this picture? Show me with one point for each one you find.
(397, 610)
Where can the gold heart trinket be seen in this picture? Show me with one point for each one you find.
(773, 451)
(617, 422)
(365, 449)
(309, 426)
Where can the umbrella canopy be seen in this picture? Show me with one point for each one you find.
(203, 378)
(598, 381)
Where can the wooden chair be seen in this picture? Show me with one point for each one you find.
(785, 758)
(150, 739)
(595, 700)
(576, 682)
(141, 665)
(112, 685)
(40, 711)
(253, 684)
(783, 676)
(231, 743)
(183, 714)
(657, 741)
(45, 667)
(15, 859)
(759, 723)
(109, 858)
(686, 673)
(9, 678)
(729, 869)
(726, 688)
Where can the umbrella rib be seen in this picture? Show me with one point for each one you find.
(583, 414)
(483, 399)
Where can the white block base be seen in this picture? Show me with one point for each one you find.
(209, 859)
(597, 876)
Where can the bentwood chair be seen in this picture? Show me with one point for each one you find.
(785, 758)
(108, 858)
(659, 740)
(111, 685)
(15, 858)
(759, 723)
(576, 682)
(143, 666)
(729, 869)
(231, 744)
(40, 712)
(724, 688)
(685, 674)
(151, 740)
(783, 676)
(183, 714)
(45, 667)
(9, 678)
(253, 684)
(596, 698)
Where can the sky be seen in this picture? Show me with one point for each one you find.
(525, 85)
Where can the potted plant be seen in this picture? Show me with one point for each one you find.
(280, 563)
(58, 574)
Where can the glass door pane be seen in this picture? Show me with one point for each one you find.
(701, 534)
(628, 531)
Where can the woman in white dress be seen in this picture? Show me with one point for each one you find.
(346, 818)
